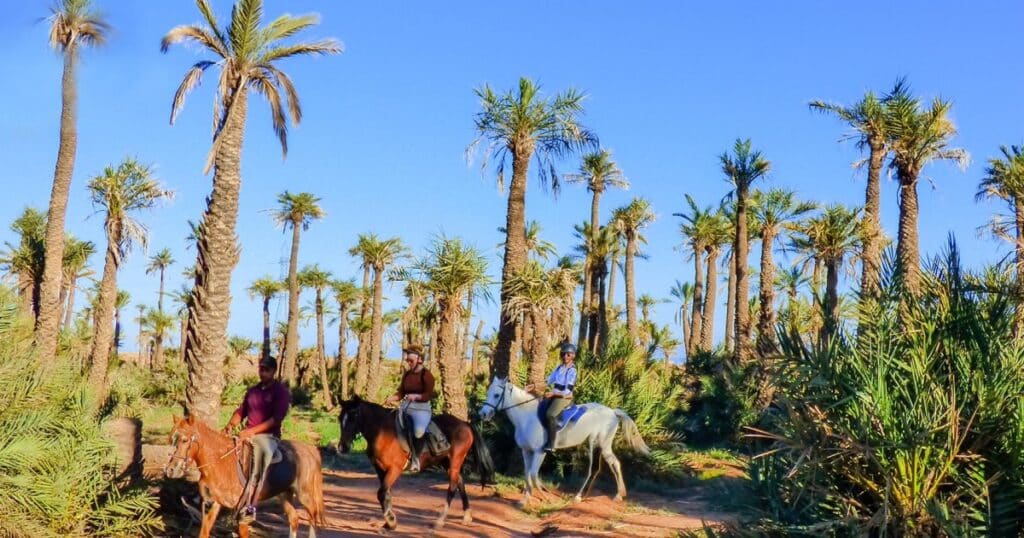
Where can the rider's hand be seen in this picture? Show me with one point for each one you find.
(245, 435)
(549, 394)
(227, 430)
(529, 388)
(393, 399)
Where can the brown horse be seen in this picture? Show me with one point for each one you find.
(377, 426)
(221, 483)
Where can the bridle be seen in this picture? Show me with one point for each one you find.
(506, 388)
(182, 460)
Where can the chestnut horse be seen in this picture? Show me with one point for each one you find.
(216, 456)
(377, 426)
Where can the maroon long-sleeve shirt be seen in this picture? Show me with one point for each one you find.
(263, 403)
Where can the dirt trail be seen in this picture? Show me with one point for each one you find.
(352, 510)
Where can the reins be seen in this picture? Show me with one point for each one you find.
(502, 400)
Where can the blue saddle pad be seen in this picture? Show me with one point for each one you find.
(570, 415)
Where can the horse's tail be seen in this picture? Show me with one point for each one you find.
(631, 433)
(482, 456)
(312, 494)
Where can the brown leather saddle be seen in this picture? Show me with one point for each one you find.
(279, 476)
(437, 441)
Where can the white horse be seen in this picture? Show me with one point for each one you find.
(597, 428)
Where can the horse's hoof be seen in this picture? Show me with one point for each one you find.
(467, 518)
(617, 498)
(439, 524)
(390, 523)
(522, 504)
(577, 499)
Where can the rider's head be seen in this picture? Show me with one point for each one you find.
(413, 355)
(568, 352)
(268, 369)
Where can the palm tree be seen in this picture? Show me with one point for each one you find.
(74, 24)
(790, 281)
(742, 169)
(297, 211)
(1004, 180)
(630, 220)
(183, 298)
(362, 324)
(346, 294)
(540, 296)
(832, 236)
(265, 288)
(599, 172)
(76, 259)
(520, 126)
(716, 234)
(119, 193)
(123, 299)
(25, 260)
(448, 271)
(318, 279)
(157, 324)
(159, 262)
(772, 211)
(381, 254)
(247, 55)
(683, 293)
(140, 318)
(919, 136)
(867, 118)
(240, 346)
(694, 232)
(601, 246)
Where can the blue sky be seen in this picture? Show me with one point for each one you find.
(671, 85)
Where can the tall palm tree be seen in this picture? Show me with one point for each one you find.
(742, 168)
(265, 288)
(247, 56)
(716, 234)
(694, 232)
(76, 260)
(74, 24)
(158, 263)
(1004, 180)
(448, 271)
(867, 119)
(296, 211)
(123, 299)
(602, 245)
(832, 236)
(789, 282)
(919, 136)
(362, 323)
(157, 324)
(682, 292)
(598, 172)
(346, 294)
(25, 260)
(381, 254)
(630, 220)
(518, 126)
(319, 280)
(539, 295)
(772, 211)
(119, 193)
(140, 318)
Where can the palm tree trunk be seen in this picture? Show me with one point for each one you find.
(730, 306)
(117, 331)
(525, 336)
(376, 335)
(742, 242)
(832, 267)
(631, 323)
(1018, 210)
(266, 327)
(766, 317)
(160, 298)
(696, 317)
(69, 313)
(321, 352)
(514, 259)
(450, 362)
(342, 352)
(474, 361)
(602, 338)
(610, 296)
(585, 305)
(817, 320)
(206, 334)
(291, 339)
(158, 352)
(99, 356)
(468, 315)
(684, 320)
(49, 304)
(539, 342)
(181, 342)
(908, 254)
(516, 353)
(707, 330)
(362, 350)
(871, 257)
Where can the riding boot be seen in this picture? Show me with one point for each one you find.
(414, 451)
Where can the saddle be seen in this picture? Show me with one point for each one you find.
(569, 415)
(437, 441)
(280, 473)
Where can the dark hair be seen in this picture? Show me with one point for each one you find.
(269, 363)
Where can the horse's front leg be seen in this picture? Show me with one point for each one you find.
(387, 480)
(528, 479)
(454, 480)
(209, 518)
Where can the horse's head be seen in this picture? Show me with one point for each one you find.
(497, 393)
(349, 420)
(184, 443)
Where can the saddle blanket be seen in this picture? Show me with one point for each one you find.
(570, 415)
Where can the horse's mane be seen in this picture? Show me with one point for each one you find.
(208, 434)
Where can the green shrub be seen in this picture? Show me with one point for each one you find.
(915, 427)
(55, 466)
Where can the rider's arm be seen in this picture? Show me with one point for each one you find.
(239, 414)
(428, 387)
